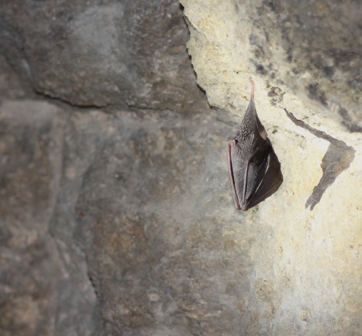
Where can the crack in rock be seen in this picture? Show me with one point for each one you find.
(338, 158)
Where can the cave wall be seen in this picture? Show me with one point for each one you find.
(306, 274)
(99, 53)
(116, 212)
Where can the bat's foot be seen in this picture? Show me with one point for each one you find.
(252, 86)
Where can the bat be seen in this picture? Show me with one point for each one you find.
(254, 168)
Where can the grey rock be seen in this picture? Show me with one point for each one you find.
(44, 285)
(126, 209)
(101, 53)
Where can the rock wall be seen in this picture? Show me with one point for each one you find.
(100, 53)
(306, 272)
(116, 212)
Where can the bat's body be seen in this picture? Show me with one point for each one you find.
(254, 167)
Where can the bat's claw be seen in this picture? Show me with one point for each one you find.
(252, 86)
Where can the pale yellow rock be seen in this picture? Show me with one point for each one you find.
(307, 264)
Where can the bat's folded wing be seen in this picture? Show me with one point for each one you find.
(268, 183)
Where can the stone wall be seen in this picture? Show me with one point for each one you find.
(305, 59)
(116, 211)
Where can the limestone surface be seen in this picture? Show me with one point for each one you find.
(120, 220)
(306, 258)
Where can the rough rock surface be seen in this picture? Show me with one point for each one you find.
(118, 222)
(44, 285)
(310, 49)
(307, 266)
(128, 53)
(130, 204)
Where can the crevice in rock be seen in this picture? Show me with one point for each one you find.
(54, 99)
(338, 158)
(106, 108)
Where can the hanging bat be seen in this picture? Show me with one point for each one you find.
(253, 165)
